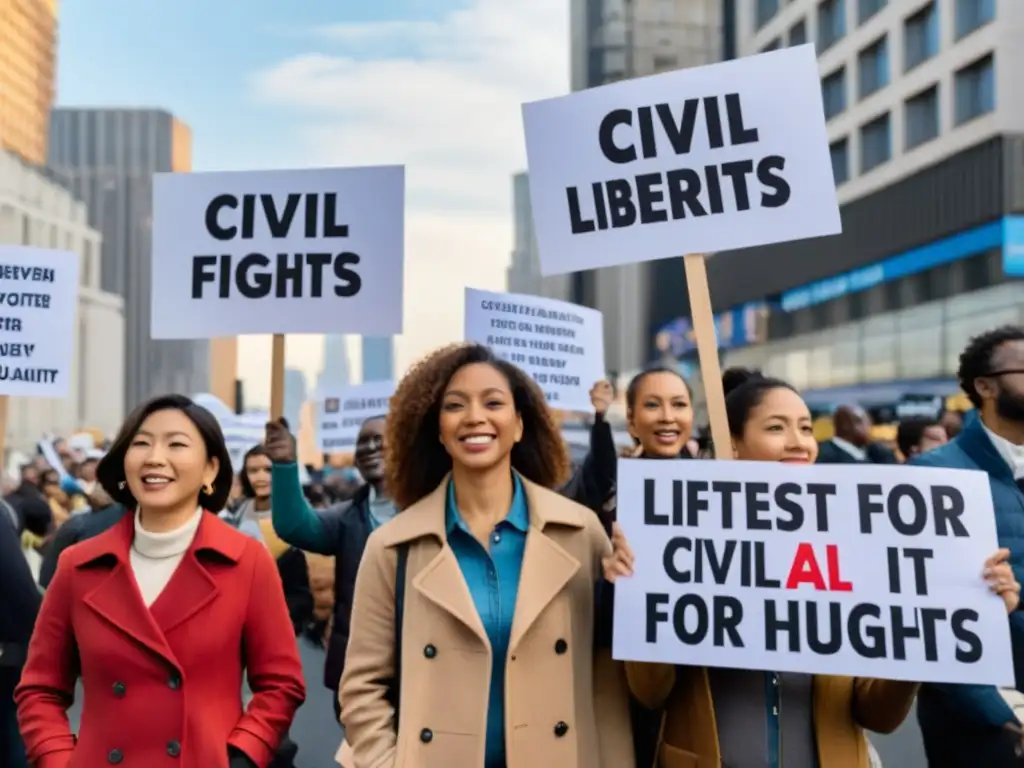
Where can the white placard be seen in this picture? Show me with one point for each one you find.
(692, 161)
(561, 345)
(340, 414)
(309, 251)
(877, 570)
(38, 303)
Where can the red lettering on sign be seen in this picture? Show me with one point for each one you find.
(835, 581)
(805, 570)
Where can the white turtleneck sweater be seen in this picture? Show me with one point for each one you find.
(155, 556)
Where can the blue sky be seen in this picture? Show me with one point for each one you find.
(197, 58)
(436, 85)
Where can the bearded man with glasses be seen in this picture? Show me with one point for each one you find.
(969, 726)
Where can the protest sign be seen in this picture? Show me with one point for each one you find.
(38, 302)
(683, 163)
(342, 413)
(559, 344)
(307, 251)
(860, 571)
(696, 160)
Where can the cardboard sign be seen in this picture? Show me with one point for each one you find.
(859, 571)
(693, 161)
(38, 306)
(561, 345)
(341, 414)
(311, 251)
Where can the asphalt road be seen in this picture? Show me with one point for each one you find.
(318, 734)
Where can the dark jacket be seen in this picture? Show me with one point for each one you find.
(77, 528)
(962, 725)
(32, 508)
(340, 532)
(830, 453)
(19, 597)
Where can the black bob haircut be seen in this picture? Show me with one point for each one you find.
(243, 473)
(110, 471)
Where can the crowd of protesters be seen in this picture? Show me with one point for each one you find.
(461, 579)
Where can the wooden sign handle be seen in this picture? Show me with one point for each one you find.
(707, 352)
(277, 378)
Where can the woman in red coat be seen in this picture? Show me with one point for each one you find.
(160, 615)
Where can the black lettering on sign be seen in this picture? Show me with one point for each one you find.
(625, 136)
(28, 375)
(692, 619)
(869, 630)
(279, 214)
(287, 275)
(17, 350)
(30, 274)
(910, 510)
(27, 300)
(10, 324)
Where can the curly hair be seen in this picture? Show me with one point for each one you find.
(416, 461)
(976, 359)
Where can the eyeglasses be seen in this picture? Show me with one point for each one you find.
(1003, 372)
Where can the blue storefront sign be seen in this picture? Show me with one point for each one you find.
(1006, 234)
(747, 324)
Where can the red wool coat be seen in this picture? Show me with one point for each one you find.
(163, 685)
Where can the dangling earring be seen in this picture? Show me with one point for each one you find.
(121, 485)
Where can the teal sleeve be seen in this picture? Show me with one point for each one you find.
(295, 521)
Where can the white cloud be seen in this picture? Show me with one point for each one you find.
(444, 99)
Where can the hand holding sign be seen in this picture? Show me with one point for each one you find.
(620, 561)
(1001, 580)
(601, 397)
(279, 443)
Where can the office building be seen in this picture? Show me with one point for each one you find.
(336, 372)
(109, 157)
(926, 125)
(37, 210)
(28, 52)
(378, 358)
(614, 40)
(524, 270)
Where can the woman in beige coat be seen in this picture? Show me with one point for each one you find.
(491, 663)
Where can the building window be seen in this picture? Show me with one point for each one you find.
(774, 45)
(873, 67)
(833, 93)
(921, 37)
(921, 117)
(972, 14)
(868, 8)
(766, 9)
(875, 143)
(840, 151)
(831, 23)
(975, 90)
(798, 33)
(665, 63)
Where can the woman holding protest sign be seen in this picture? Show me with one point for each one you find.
(659, 416)
(731, 716)
(475, 607)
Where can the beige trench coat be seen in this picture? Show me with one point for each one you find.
(566, 705)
